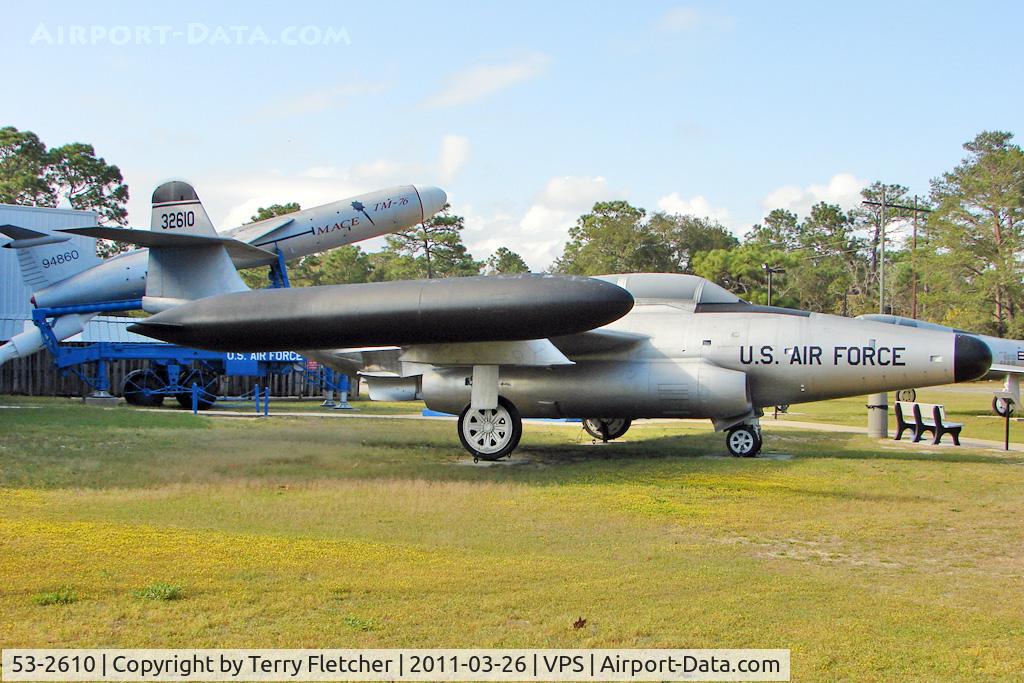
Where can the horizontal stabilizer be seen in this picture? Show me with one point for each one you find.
(23, 238)
(148, 238)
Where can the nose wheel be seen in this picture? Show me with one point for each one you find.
(743, 441)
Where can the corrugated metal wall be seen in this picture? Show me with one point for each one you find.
(14, 295)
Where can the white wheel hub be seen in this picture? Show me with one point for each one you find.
(488, 431)
(741, 441)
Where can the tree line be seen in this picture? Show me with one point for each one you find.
(952, 256)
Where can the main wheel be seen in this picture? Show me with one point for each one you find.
(491, 434)
(743, 441)
(139, 386)
(606, 428)
(209, 387)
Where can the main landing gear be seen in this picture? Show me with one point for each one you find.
(744, 441)
(606, 428)
(490, 434)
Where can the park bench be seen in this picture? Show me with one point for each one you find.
(925, 417)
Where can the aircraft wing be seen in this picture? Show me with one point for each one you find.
(237, 249)
(1008, 369)
(596, 341)
(529, 352)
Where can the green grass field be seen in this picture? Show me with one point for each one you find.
(870, 560)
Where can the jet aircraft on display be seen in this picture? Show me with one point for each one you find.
(608, 349)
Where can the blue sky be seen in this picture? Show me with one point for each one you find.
(525, 113)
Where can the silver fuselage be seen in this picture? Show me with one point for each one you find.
(719, 360)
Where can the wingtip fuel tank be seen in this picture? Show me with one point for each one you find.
(496, 308)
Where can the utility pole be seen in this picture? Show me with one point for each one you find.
(878, 404)
(913, 266)
(771, 271)
(881, 254)
(915, 209)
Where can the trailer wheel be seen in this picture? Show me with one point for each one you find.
(209, 387)
(490, 434)
(606, 428)
(139, 386)
(908, 395)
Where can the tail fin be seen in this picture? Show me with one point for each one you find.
(46, 258)
(176, 207)
(179, 274)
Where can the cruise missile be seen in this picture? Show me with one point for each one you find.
(470, 309)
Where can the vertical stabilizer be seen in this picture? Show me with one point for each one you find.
(47, 257)
(185, 273)
(177, 209)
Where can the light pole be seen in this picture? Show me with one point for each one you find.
(771, 271)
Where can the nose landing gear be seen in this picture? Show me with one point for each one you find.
(744, 441)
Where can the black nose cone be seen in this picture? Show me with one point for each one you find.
(971, 358)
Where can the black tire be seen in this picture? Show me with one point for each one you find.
(209, 387)
(506, 426)
(743, 441)
(906, 395)
(137, 387)
(606, 428)
(1002, 406)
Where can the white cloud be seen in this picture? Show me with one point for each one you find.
(482, 80)
(573, 192)
(685, 18)
(697, 206)
(842, 189)
(539, 234)
(454, 155)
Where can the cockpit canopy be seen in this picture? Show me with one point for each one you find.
(672, 286)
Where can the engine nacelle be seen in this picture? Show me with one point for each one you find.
(659, 388)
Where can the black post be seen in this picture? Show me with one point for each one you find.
(771, 271)
(1006, 426)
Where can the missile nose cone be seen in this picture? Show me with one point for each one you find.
(971, 358)
(432, 198)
